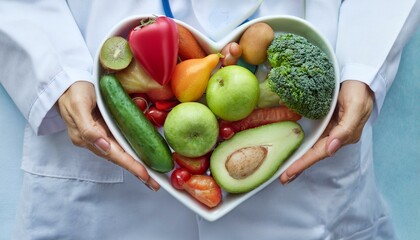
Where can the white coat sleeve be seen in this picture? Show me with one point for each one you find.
(43, 53)
(371, 36)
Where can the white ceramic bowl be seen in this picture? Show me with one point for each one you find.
(313, 129)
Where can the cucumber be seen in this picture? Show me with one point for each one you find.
(139, 132)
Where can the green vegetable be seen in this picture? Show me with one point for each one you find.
(267, 98)
(301, 75)
(142, 136)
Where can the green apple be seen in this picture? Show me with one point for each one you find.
(191, 129)
(232, 92)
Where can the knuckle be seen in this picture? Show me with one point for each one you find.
(128, 163)
(86, 133)
(76, 140)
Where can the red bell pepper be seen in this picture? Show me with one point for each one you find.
(154, 44)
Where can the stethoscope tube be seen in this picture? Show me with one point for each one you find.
(167, 8)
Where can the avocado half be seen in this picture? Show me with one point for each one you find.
(252, 156)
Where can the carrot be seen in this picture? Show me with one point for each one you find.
(188, 45)
(258, 117)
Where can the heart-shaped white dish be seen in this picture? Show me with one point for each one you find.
(313, 129)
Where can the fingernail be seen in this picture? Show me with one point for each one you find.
(333, 146)
(102, 145)
(147, 185)
(290, 179)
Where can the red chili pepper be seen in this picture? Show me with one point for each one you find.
(154, 44)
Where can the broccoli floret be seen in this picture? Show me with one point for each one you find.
(301, 75)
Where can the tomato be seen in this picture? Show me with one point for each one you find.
(154, 44)
(179, 177)
(226, 132)
(141, 103)
(205, 189)
(156, 116)
(198, 165)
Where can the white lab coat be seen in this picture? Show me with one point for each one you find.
(69, 193)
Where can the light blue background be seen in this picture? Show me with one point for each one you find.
(396, 150)
(397, 144)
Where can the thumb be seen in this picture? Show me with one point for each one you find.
(98, 138)
(92, 131)
(354, 108)
(78, 109)
(341, 134)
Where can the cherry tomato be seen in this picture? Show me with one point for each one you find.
(198, 165)
(156, 116)
(139, 94)
(179, 177)
(141, 103)
(226, 132)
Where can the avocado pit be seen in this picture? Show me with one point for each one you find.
(245, 161)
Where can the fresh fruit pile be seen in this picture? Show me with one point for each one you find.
(218, 133)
